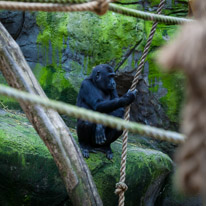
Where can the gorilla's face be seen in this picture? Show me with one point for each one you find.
(103, 77)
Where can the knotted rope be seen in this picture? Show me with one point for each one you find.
(121, 186)
(100, 7)
(119, 189)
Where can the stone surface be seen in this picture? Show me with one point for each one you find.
(28, 174)
(13, 21)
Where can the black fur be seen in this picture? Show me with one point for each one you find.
(98, 92)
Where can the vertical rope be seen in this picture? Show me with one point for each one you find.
(121, 186)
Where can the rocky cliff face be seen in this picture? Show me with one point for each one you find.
(23, 28)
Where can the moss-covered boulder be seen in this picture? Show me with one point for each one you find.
(29, 176)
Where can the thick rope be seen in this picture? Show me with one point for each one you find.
(121, 190)
(100, 7)
(92, 116)
(50, 1)
(147, 16)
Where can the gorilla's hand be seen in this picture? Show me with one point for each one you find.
(109, 154)
(131, 94)
(85, 153)
(129, 97)
(100, 137)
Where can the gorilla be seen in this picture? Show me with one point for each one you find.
(98, 93)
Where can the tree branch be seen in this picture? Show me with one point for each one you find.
(49, 125)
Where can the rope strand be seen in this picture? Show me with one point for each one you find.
(50, 1)
(147, 16)
(92, 116)
(98, 6)
(127, 112)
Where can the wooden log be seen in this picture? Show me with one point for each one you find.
(49, 125)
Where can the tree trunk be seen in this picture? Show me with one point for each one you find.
(49, 125)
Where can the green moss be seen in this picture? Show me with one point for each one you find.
(6, 101)
(31, 175)
(21, 138)
(174, 98)
(52, 77)
(143, 167)
(175, 88)
(27, 167)
(55, 84)
(173, 83)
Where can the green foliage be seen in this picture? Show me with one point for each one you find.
(154, 2)
(175, 94)
(173, 83)
(53, 31)
(102, 39)
(162, 35)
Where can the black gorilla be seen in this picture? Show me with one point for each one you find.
(98, 93)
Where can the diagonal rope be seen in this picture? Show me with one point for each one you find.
(92, 116)
(121, 186)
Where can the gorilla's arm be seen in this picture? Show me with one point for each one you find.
(91, 97)
(108, 106)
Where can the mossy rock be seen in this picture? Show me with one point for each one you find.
(29, 176)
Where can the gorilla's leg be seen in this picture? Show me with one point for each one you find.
(88, 133)
(112, 134)
(85, 132)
